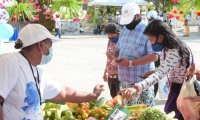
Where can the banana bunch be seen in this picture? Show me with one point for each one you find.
(136, 110)
(54, 111)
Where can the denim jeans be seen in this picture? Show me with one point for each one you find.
(58, 32)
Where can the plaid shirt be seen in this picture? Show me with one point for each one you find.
(134, 45)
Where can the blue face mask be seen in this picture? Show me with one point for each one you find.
(46, 58)
(157, 47)
(114, 40)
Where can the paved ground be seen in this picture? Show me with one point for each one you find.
(79, 61)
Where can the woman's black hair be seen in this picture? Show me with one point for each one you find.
(112, 28)
(170, 40)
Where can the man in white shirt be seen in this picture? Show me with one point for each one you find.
(144, 17)
(198, 22)
(24, 86)
(118, 17)
(58, 27)
(171, 22)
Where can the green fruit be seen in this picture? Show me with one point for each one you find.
(74, 106)
(52, 114)
(68, 115)
(100, 102)
(97, 116)
(49, 106)
(79, 117)
(58, 114)
(47, 113)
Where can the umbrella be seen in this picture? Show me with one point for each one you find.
(116, 2)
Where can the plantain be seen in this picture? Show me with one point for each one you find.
(139, 107)
(49, 106)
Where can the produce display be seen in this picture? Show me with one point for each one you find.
(98, 110)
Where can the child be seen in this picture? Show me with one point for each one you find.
(175, 58)
(111, 70)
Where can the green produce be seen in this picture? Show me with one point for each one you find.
(106, 107)
(92, 103)
(100, 102)
(49, 106)
(152, 114)
(136, 107)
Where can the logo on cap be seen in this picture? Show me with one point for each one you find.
(126, 13)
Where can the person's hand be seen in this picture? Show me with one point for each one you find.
(127, 93)
(98, 89)
(123, 62)
(191, 70)
(105, 77)
(193, 99)
(149, 73)
(109, 55)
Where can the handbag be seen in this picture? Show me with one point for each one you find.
(189, 110)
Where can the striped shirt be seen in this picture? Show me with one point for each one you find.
(134, 45)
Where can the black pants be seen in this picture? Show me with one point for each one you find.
(170, 104)
(113, 84)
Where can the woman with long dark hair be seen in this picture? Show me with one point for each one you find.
(175, 59)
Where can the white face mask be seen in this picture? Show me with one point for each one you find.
(46, 58)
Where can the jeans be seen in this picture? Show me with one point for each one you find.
(58, 32)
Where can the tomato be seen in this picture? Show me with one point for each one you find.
(84, 115)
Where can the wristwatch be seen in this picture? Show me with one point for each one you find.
(130, 63)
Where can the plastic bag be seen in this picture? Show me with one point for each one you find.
(189, 110)
(163, 88)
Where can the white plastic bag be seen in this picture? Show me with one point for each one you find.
(162, 88)
(189, 110)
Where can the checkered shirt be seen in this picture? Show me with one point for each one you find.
(134, 45)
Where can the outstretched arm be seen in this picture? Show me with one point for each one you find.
(68, 94)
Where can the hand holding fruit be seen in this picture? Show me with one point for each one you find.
(128, 92)
(116, 100)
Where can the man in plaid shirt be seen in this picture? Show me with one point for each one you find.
(136, 56)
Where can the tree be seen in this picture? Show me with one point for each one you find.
(162, 4)
(41, 11)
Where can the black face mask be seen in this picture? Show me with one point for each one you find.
(133, 24)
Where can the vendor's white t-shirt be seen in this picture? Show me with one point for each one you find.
(18, 88)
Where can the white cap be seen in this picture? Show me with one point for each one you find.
(117, 12)
(129, 10)
(143, 13)
(34, 33)
(152, 14)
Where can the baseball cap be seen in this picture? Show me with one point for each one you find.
(117, 12)
(34, 33)
(129, 10)
(152, 14)
(143, 13)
